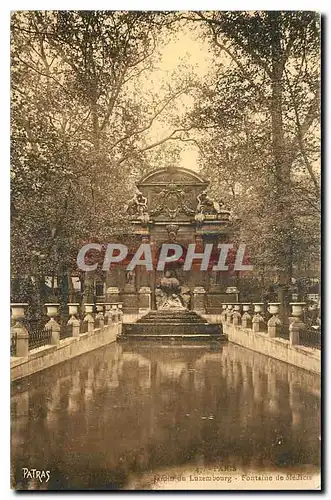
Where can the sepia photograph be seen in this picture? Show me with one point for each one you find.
(165, 250)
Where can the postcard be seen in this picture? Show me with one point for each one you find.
(165, 250)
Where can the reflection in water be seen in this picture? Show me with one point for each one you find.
(131, 409)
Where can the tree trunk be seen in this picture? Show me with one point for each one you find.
(282, 186)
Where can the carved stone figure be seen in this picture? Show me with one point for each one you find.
(170, 295)
(137, 207)
(186, 296)
(207, 206)
(129, 278)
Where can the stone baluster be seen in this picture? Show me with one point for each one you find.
(223, 313)
(89, 318)
(246, 319)
(274, 323)
(296, 324)
(236, 316)
(229, 314)
(73, 320)
(100, 315)
(53, 312)
(19, 330)
(258, 323)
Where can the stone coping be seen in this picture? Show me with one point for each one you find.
(309, 351)
(47, 349)
(275, 347)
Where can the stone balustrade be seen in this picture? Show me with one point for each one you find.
(28, 335)
(297, 334)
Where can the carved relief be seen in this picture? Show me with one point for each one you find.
(172, 230)
(172, 200)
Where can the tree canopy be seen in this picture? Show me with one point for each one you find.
(90, 97)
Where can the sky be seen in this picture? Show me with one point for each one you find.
(185, 53)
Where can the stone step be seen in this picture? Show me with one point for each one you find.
(172, 324)
(195, 337)
(168, 320)
(171, 329)
(160, 315)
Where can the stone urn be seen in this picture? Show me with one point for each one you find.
(52, 310)
(297, 308)
(273, 307)
(73, 309)
(88, 308)
(258, 307)
(18, 310)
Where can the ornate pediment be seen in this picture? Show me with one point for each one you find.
(174, 195)
(180, 176)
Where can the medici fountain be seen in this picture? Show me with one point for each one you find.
(172, 206)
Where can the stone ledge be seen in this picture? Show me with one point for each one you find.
(67, 341)
(41, 351)
(278, 348)
(46, 356)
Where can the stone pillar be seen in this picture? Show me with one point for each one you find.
(236, 316)
(19, 330)
(229, 314)
(73, 321)
(89, 318)
(199, 299)
(223, 313)
(100, 316)
(144, 300)
(246, 319)
(114, 313)
(258, 323)
(53, 312)
(107, 316)
(296, 324)
(274, 322)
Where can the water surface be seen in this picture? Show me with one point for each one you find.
(110, 418)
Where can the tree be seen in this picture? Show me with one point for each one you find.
(80, 121)
(262, 118)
